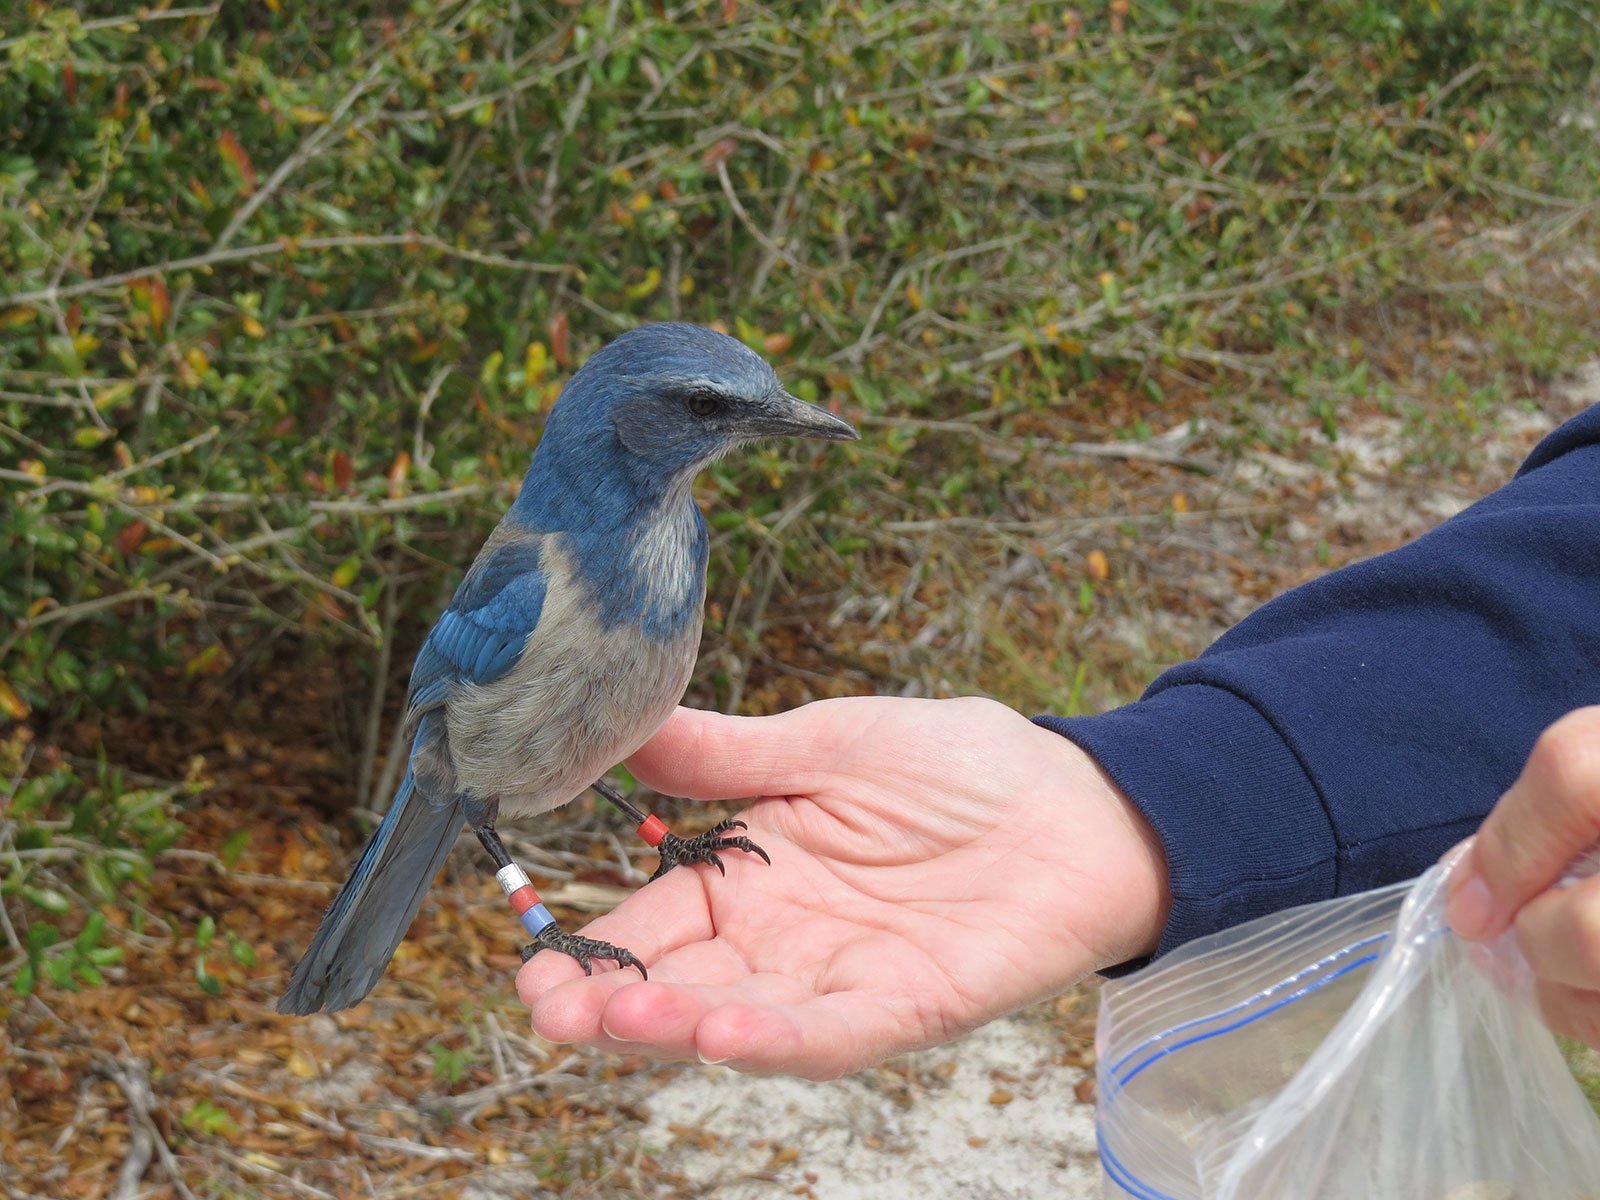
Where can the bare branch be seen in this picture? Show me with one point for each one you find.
(51, 295)
(132, 19)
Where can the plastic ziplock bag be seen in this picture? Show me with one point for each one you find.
(1354, 1049)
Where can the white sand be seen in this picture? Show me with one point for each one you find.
(855, 1138)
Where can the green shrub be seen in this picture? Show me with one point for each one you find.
(403, 229)
(75, 847)
(285, 288)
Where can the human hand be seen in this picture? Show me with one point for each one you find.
(1550, 815)
(935, 864)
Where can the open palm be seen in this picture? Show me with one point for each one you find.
(935, 864)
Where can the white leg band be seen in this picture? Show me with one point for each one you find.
(511, 878)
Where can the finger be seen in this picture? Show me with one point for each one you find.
(1559, 931)
(571, 1015)
(1571, 1012)
(766, 1023)
(823, 1038)
(574, 1011)
(711, 756)
(670, 912)
(662, 1019)
(1549, 815)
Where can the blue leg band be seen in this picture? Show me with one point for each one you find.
(536, 920)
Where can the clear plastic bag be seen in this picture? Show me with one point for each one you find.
(1354, 1049)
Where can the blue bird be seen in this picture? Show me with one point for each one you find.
(567, 645)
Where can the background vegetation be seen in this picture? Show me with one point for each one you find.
(286, 288)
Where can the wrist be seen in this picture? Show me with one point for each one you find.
(1132, 871)
(1149, 866)
(1244, 828)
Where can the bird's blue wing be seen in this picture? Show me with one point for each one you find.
(477, 640)
(481, 635)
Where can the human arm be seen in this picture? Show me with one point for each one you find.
(1345, 734)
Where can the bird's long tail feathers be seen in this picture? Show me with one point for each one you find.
(376, 905)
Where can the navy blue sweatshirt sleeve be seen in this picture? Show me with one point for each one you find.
(1347, 733)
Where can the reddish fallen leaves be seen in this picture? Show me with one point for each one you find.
(11, 704)
(399, 1095)
(398, 470)
(151, 295)
(560, 339)
(718, 152)
(344, 470)
(130, 536)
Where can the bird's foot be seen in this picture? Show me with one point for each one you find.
(704, 847)
(584, 949)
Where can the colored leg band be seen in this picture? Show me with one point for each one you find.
(514, 882)
(512, 879)
(536, 920)
(653, 830)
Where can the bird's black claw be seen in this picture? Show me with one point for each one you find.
(584, 949)
(703, 848)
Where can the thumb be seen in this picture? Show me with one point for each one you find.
(711, 756)
(1547, 818)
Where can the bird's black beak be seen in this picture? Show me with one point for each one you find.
(783, 415)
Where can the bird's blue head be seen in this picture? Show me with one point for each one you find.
(654, 407)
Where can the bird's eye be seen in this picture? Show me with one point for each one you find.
(703, 404)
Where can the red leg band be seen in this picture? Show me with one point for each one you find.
(653, 830)
(523, 899)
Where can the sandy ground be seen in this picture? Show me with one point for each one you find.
(1006, 1112)
(1000, 1120)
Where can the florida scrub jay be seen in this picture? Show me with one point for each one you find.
(567, 644)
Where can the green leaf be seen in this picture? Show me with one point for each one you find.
(59, 972)
(94, 875)
(449, 1064)
(40, 937)
(328, 214)
(208, 982)
(208, 1118)
(868, 394)
(234, 846)
(242, 951)
(89, 937)
(36, 792)
(49, 899)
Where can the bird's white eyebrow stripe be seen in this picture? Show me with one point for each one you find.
(685, 383)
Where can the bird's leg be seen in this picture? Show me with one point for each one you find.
(537, 919)
(674, 849)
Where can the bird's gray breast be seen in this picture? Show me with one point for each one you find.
(584, 695)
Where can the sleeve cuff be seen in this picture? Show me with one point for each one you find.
(1243, 826)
